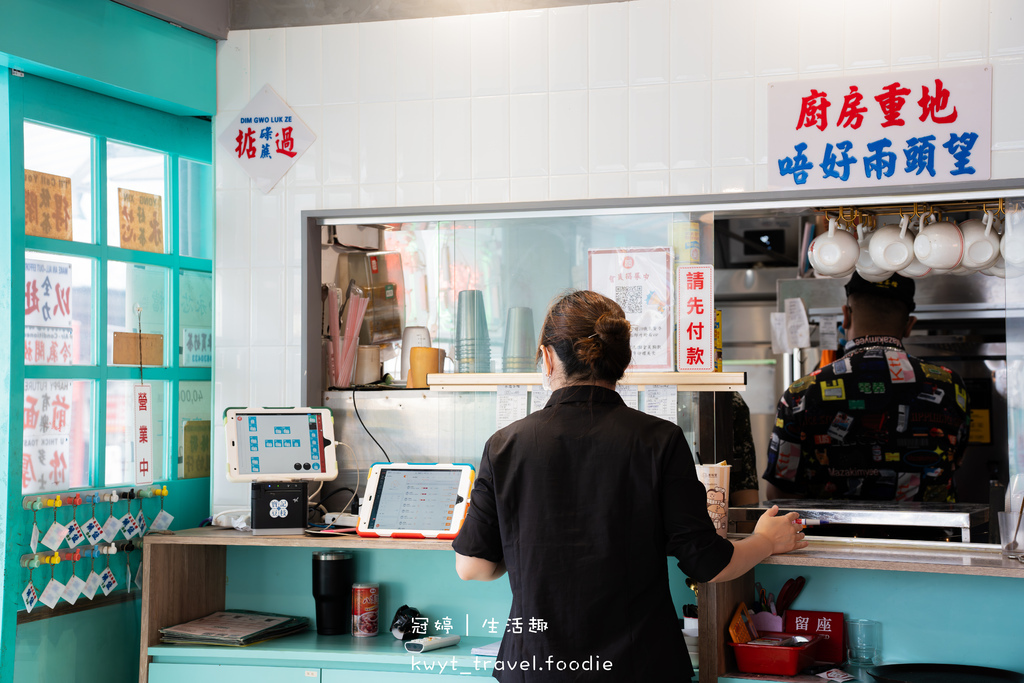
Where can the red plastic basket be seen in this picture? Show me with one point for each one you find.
(774, 659)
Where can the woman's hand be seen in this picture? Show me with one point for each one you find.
(783, 534)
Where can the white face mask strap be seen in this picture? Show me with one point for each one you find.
(546, 370)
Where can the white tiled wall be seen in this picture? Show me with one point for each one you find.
(649, 97)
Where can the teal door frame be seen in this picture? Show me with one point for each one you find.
(24, 97)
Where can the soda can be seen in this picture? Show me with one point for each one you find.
(365, 605)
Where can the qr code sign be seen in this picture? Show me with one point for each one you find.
(631, 298)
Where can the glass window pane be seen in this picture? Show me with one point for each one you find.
(131, 287)
(120, 445)
(66, 155)
(58, 309)
(195, 319)
(57, 440)
(136, 201)
(195, 406)
(195, 209)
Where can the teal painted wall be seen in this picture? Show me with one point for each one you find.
(98, 645)
(940, 618)
(102, 46)
(280, 580)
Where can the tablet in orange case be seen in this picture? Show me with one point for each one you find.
(415, 500)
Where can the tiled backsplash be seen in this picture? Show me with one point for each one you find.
(644, 98)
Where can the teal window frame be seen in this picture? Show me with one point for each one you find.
(48, 103)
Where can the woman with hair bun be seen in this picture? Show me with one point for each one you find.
(581, 502)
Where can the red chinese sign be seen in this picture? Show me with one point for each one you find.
(695, 332)
(881, 129)
(49, 332)
(142, 406)
(46, 460)
(266, 138)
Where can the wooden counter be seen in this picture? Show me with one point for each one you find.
(224, 536)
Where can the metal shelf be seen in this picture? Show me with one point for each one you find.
(686, 381)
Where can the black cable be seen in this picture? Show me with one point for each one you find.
(331, 494)
(354, 406)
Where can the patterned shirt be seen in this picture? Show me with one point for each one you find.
(877, 424)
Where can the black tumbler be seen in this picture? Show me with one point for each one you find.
(332, 589)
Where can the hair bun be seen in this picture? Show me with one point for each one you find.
(610, 328)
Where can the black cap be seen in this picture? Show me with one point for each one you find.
(896, 287)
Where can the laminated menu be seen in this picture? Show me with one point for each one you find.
(234, 627)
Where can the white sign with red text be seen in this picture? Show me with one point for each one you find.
(142, 405)
(640, 281)
(266, 138)
(48, 329)
(871, 130)
(695, 287)
(46, 463)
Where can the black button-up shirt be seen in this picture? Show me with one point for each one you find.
(584, 500)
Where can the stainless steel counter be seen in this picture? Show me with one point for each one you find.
(963, 516)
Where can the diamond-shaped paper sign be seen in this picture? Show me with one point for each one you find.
(266, 138)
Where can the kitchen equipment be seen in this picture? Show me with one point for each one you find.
(380, 276)
(790, 590)
(412, 336)
(963, 516)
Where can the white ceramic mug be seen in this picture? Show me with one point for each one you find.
(981, 242)
(892, 246)
(997, 269)
(1011, 246)
(867, 268)
(916, 270)
(836, 251)
(367, 365)
(939, 245)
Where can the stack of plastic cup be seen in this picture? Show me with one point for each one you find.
(472, 341)
(520, 343)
